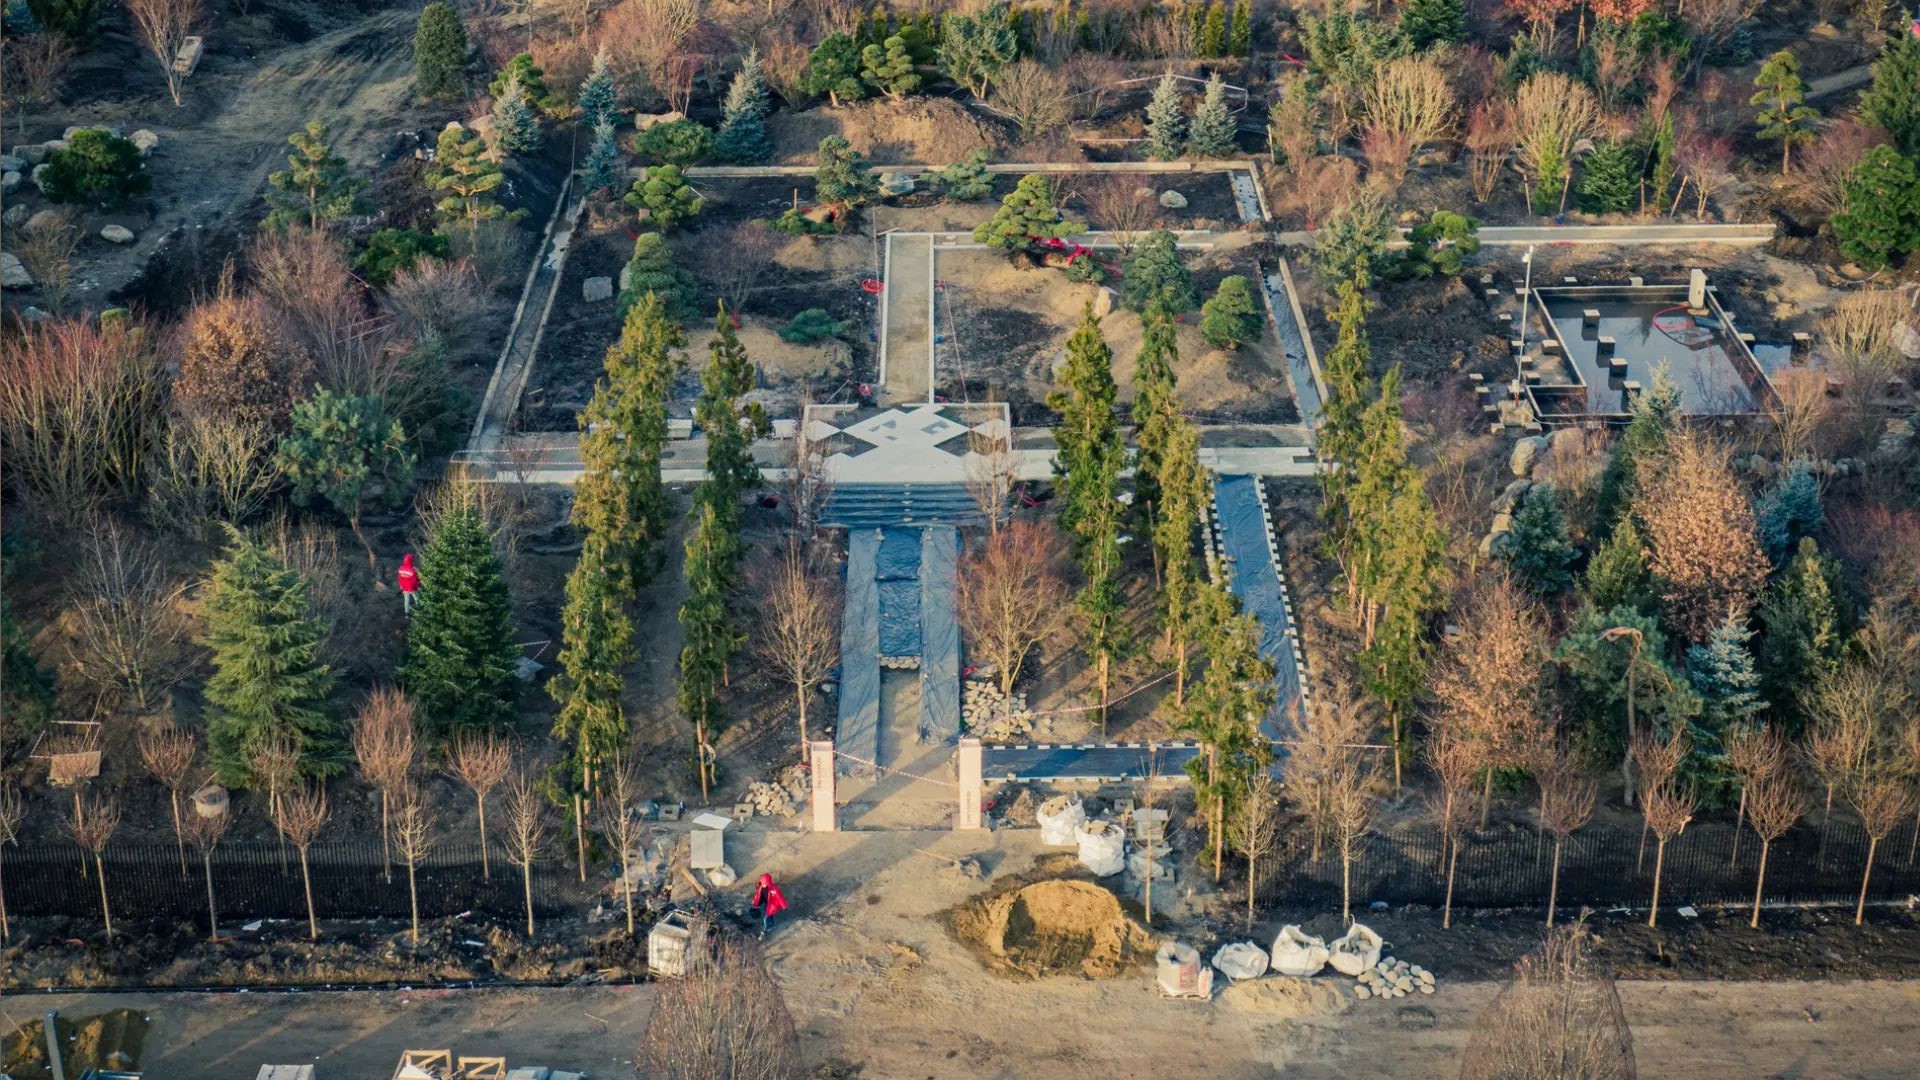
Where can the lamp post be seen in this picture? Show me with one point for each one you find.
(1526, 295)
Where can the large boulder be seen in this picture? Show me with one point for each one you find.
(54, 146)
(1173, 200)
(44, 219)
(13, 273)
(1526, 453)
(15, 216)
(32, 154)
(12, 163)
(116, 234)
(40, 177)
(1103, 302)
(643, 121)
(145, 140)
(596, 289)
(10, 181)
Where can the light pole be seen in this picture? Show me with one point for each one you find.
(1526, 295)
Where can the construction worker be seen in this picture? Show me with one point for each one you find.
(768, 901)
(409, 582)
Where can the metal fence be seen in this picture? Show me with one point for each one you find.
(146, 881)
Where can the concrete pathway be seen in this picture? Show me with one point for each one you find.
(510, 372)
(906, 321)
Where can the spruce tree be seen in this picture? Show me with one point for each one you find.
(532, 80)
(316, 186)
(601, 171)
(620, 502)
(268, 678)
(1722, 672)
(1026, 214)
(516, 128)
(1351, 245)
(596, 644)
(1784, 112)
(888, 68)
(1213, 31)
(1804, 640)
(461, 655)
(1232, 318)
(440, 52)
(1788, 510)
(1608, 180)
(1153, 274)
(1211, 133)
(742, 138)
(1881, 222)
(730, 427)
(1597, 666)
(1240, 34)
(464, 178)
(1655, 414)
(1892, 103)
(1425, 23)
(1537, 549)
(833, 70)
(599, 97)
(1617, 573)
(1166, 120)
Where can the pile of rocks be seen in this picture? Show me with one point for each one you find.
(781, 798)
(1392, 978)
(900, 663)
(993, 714)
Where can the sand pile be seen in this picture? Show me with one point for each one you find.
(1053, 928)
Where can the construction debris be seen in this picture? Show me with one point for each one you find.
(1180, 972)
(781, 798)
(993, 714)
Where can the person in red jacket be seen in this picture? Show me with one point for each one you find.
(768, 901)
(409, 581)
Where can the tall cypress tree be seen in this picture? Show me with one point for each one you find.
(1156, 410)
(268, 678)
(596, 637)
(1182, 494)
(460, 649)
(1240, 34)
(1655, 415)
(620, 501)
(706, 626)
(1090, 458)
(1349, 389)
(729, 426)
(1224, 710)
(1803, 640)
(440, 52)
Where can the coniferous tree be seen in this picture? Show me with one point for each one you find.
(1090, 458)
(1026, 214)
(1655, 414)
(464, 178)
(601, 171)
(1425, 23)
(1181, 492)
(729, 426)
(1349, 389)
(1156, 410)
(841, 175)
(1210, 135)
(599, 97)
(440, 52)
(1224, 710)
(268, 678)
(1662, 167)
(974, 49)
(1784, 112)
(1617, 573)
(1213, 31)
(338, 445)
(1601, 647)
(833, 70)
(1240, 34)
(315, 187)
(532, 79)
(1892, 103)
(1352, 244)
(461, 656)
(967, 180)
(888, 67)
(743, 130)
(1804, 639)
(620, 502)
(1881, 222)
(26, 688)
(706, 624)
(1722, 672)
(651, 269)
(516, 127)
(1537, 548)
(1153, 274)
(1166, 120)
(664, 199)
(1232, 317)
(1788, 510)
(1609, 182)
(596, 644)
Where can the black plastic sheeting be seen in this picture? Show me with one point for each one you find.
(899, 555)
(1253, 577)
(899, 616)
(940, 635)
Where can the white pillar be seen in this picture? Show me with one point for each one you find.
(971, 789)
(825, 814)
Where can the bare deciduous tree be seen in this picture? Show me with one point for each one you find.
(80, 403)
(1411, 102)
(1668, 808)
(1774, 803)
(1350, 796)
(1706, 162)
(1013, 596)
(45, 246)
(164, 26)
(736, 258)
(808, 486)
(1567, 797)
(209, 469)
(1848, 709)
(167, 752)
(526, 833)
(1827, 165)
(619, 806)
(724, 1020)
(1035, 96)
(276, 760)
(303, 814)
(1559, 1019)
(205, 830)
(481, 762)
(656, 34)
(383, 746)
(798, 635)
(36, 65)
(1253, 828)
(1700, 534)
(1488, 682)
(1119, 204)
(1859, 338)
(992, 471)
(1658, 761)
(1457, 761)
(1883, 799)
(1798, 409)
(1752, 753)
(92, 826)
(124, 612)
(12, 809)
(1334, 725)
(413, 839)
(1552, 112)
(438, 296)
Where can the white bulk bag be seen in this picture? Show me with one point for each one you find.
(1058, 817)
(1355, 952)
(1103, 847)
(1296, 952)
(1180, 973)
(1241, 960)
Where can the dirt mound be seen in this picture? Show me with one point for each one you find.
(921, 131)
(1053, 928)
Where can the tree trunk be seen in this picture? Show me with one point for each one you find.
(1346, 886)
(373, 562)
(1640, 860)
(213, 915)
(1826, 818)
(1739, 819)
(1659, 863)
(700, 754)
(1180, 673)
(526, 884)
(580, 835)
(1252, 866)
(273, 812)
(1486, 798)
(1219, 835)
(626, 886)
(413, 903)
(1759, 884)
(386, 839)
(179, 835)
(1394, 715)
(1860, 909)
(106, 912)
(1446, 913)
(1913, 845)
(1106, 672)
(1553, 887)
(306, 882)
(6, 928)
(486, 871)
(800, 700)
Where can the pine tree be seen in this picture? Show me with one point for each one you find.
(1785, 114)
(975, 49)
(516, 128)
(601, 171)
(1426, 23)
(833, 69)
(532, 79)
(1597, 666)
(1537, 549)
(841, 175)
(316, 186)
(268, 679)
(1156, 411)
(1090, 458)
(743, 130)
(1213, 31)
(1881, 223)
(664, 199)
(1026, 214)
(1892, 104)
(1803, 640)
(1788, 510)
(1662, 167)
(967, 180)
(596, 644)
(1439, 246)
(1351, 245)
(599, 97)
(1617, 573)
(440, 52)
(1231, 318)
(1154, 275)
(1721, 671)
(651, 269)
(1655, 414)
(1608, 184)
(620, 502)
(1166, 120)
(461, 656)
(1240, 35)
(464, 178)
(888, 68)
(337, 446)
(1211, 133)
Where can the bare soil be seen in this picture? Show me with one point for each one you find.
(1052, 927)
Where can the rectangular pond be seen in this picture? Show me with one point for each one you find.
(1634, 332)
